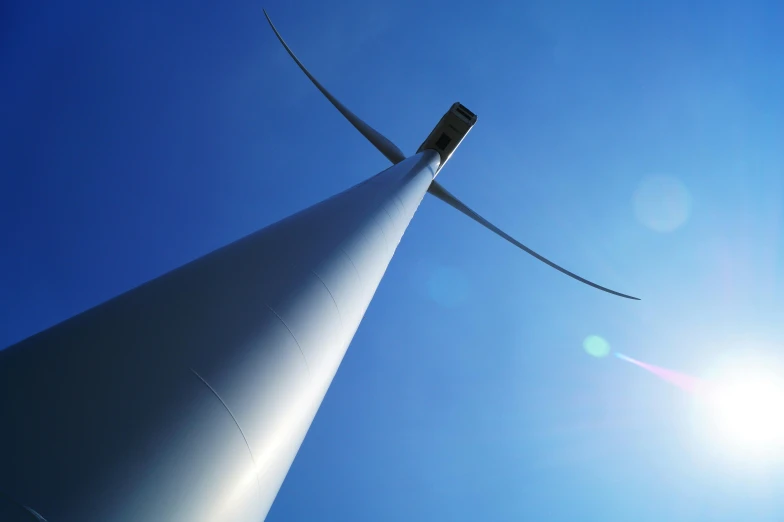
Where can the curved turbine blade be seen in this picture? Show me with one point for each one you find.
(386, 147)
(442, 194)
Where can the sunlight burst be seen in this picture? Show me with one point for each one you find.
(745, 411)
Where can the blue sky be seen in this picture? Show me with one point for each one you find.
(135, 137)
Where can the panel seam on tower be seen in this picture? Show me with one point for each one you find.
(340, 316)
(384, 207)
(403, 208)
(386, 242)
(301, 352)
(236, 423)
(359, 277)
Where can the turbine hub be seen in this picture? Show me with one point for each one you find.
(449, 132)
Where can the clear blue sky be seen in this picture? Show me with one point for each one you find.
(137, 136)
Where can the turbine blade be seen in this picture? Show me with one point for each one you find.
(384, 145)
(441, 193)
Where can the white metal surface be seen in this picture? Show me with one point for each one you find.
(450, 132)
(188, 397)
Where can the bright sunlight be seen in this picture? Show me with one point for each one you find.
(743, 409)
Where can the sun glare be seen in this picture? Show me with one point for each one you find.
(744, 412)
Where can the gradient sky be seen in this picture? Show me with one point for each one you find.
(639, 144)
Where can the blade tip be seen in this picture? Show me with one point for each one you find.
(269, 20)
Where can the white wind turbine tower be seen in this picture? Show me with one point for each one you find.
(188, 397)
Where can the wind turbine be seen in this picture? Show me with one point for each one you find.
(188, 397)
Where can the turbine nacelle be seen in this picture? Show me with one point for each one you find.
(450, 131)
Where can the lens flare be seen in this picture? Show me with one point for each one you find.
(662, 203)
(596, 346)
(740, 407)
(681, 380)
